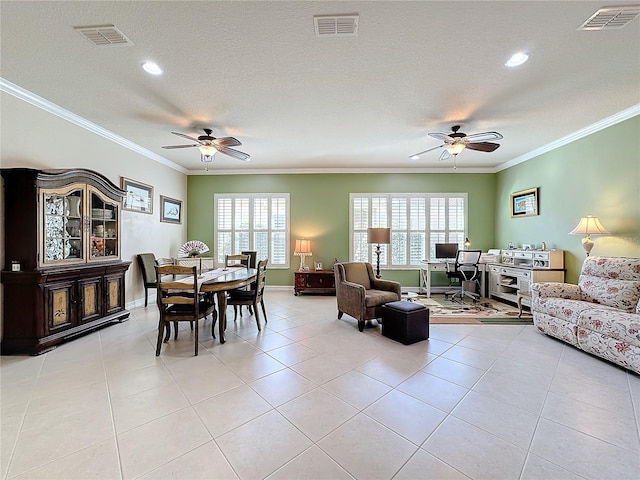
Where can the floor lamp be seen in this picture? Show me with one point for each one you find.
(378, 236)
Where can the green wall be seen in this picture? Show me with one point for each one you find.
(597, 175)
(320, 208)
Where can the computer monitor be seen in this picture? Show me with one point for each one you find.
(446, 250)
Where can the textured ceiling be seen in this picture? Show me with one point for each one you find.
(297, 102)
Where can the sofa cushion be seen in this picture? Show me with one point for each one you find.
(357, 273)
(624, 327)
(611, 281)
(562, 308)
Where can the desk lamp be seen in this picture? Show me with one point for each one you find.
(302, 249)
(588, 226)
(378, 236)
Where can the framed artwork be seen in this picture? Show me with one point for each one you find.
(139, 197)
(318, 265)
(524, 203)
(170, 210)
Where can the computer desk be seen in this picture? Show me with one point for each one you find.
(428, 266)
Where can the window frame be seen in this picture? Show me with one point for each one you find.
(251, 230)
(387, 220)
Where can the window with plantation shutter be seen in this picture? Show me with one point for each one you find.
(256, 222)
(417, 221)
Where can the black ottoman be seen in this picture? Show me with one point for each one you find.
(405, 322)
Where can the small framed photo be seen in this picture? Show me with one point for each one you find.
(524, 203)
(170, 210)
(318, 265)
(304, 268)
(139, 197)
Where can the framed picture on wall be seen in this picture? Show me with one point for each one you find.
(524, 203)
(170, 210)
(139, 197)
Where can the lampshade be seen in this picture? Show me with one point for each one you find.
(455, 148)
(303, 246)
(589, 225)
(378, 235)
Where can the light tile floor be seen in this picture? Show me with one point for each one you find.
(311, 397)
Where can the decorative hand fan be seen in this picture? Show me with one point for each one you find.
(193, 248)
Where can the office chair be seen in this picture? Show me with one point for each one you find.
(465, 269)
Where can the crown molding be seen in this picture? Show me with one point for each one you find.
(583, 132)
(52, 108)
(307, 171)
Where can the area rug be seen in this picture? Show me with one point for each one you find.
(484, 311)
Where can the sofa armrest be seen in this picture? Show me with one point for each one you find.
(387, 285)
(568, 291)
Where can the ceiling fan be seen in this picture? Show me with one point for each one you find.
(209, 145)
(456, 142)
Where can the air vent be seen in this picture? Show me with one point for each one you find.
(611, 18)
(336, 25)
(104, 35)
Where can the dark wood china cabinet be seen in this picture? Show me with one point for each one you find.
(63, 275)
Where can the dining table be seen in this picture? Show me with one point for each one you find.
(220, 281)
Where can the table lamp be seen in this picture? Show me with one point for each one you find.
(378, 236)
(588, 226)
(302, 249)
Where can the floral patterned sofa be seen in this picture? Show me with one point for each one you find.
(600, 315)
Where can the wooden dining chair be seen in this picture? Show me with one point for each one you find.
(178, 301)
(147, 263)
(237, 260)
(251, 297)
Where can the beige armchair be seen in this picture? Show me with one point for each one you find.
(360, 294)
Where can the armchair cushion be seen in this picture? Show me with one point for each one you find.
(373, 298)
(357, 273)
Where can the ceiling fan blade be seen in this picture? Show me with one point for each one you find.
(186, 136)
(227, 142)
(233, 153)
(445, 155)
(181, 146)
(426, 151)
(440, 136)
(482, 137)
(483, 146)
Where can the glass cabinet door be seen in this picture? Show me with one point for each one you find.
(104, 241)
(62, 225)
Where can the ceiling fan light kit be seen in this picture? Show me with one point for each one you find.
(456, 142)
(209, 146)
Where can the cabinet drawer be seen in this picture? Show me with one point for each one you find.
(321, 281)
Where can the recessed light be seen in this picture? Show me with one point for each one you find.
(517, 59)
(152, 68)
